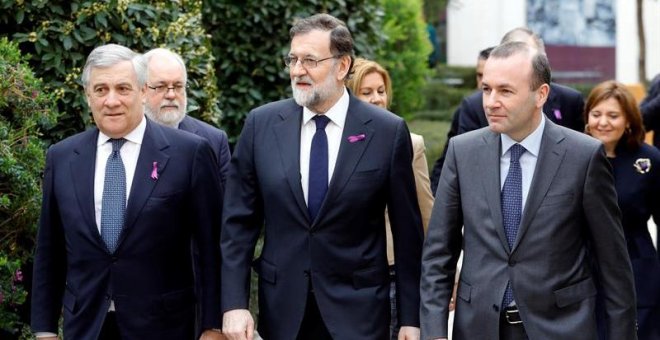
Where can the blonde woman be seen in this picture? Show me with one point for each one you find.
(371, 83)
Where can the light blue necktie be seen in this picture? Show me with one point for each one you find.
(318, 167)
(512, 206)
(113, 204)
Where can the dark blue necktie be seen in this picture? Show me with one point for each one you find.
(113, 204)
(318, 167)
(512, 206)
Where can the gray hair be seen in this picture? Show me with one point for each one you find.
(341, 40)
(113, 54)
(164, 52)
(541, 73)
(523, 34)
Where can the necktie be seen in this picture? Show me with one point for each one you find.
(318, 167)
(113, 204)
(512, 206)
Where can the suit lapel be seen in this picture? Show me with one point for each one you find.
(83, 168)
(490, 156)
(287, 132)
(349, 153)
(550, 158)
(151, 151)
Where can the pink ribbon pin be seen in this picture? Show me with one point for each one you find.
(154, 171)
(356, 138)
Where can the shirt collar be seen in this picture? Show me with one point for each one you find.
(134, 136)
(531, 143)
(337, 113)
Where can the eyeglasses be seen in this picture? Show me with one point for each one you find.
(307, 63)
(162, 89)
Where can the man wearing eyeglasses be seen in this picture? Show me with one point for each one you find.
(166, 103)
(317, 172)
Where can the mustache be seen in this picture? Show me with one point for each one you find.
(303, 79)
(170, 103)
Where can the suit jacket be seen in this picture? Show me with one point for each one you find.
(149, 276)
(216, 137)
(424, 195)
(570, 221)
(637, 193)
(650, 108)
(342, 252)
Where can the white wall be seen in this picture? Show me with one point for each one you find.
(473, 25)
(627, 46)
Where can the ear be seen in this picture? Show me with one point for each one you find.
(344, 65)
(542, 95)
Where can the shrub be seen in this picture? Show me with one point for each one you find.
(59, 36)
(251, 37)
(405, 53)
(25, 111)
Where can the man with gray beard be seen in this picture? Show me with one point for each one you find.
(167, 102)
(316, 172)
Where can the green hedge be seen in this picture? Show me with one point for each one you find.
(405, 53)
(251, 37)
(26, 110)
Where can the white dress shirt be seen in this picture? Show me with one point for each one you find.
(129, 156)
(532, 145)
(334, 129)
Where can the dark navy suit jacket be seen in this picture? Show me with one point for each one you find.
(216, 137)
(638, 195)
(342, 252)
(150, 275)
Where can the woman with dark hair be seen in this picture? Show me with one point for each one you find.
(613, 117)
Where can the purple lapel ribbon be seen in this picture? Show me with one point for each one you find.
(154, 171)
(356, 138)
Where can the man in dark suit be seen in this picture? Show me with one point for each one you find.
(650, 108)
(167, 100)
(321, 192)
(121, 206)
(539, 208)
(564, 105)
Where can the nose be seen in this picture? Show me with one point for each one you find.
(377, 99)
(170, 93)
(602, 120)
(296, 70)
(112, 99)
(489, 100)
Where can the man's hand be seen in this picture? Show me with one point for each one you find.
(409, 333)
(212, 335)
(238, 324)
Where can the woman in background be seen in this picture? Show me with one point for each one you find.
(371, 83)
(613, 117)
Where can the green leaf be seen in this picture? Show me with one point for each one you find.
(101, 19)
(67, 42)
(20, 15)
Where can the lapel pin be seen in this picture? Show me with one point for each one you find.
(557, 114)
(356, 138)
(154, 171)
(642, 165)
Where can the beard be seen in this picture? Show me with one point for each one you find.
(317, 94)
(165, 114)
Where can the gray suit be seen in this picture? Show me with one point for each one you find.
(570, 222)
